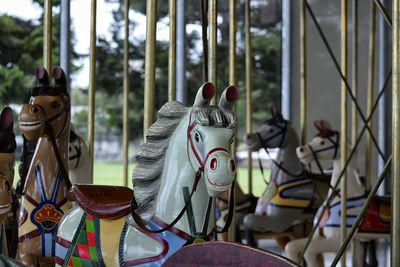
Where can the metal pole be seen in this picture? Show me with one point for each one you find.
(150, 65)
(303, 75)
(354, 71)
(172, 51)
(343, 127)
(92, 81)
(181, 93)
(126, 95)
(286, 58)
(370, 94)
(47, 34)
(362, 213)
(212, 45)
(384, 12)
(395, 255)
(232, 80)
(249, 84)
(65, 38)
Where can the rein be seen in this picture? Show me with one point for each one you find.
(78, 153)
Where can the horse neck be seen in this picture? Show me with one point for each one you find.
(178, 173)
(45, 158)
(288, 159)
(354, 189)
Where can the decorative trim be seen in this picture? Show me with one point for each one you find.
(121, 246)
(173, 229)
(73, 242)
(96, 223)
(28, 236)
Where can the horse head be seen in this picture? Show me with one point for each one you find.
(210, 136)
(271, 135)
(325, 144)
(7, 159)
(48, 111)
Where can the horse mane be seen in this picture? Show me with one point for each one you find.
(150, 158)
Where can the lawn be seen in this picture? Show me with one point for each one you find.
(111, 174)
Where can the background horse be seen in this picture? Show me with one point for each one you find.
(7, 161)
(45, 190)
(292, 195)
(79, 159)
(186, 150)
(325, 145)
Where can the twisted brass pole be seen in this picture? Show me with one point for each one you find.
(126, 95)
(172, 51)
(47, 49)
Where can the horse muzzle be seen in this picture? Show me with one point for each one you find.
(219, 172)
(31, 121)
(304, 154)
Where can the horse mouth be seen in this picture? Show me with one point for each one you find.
(217, 187)
(30, 125)
(5, 208)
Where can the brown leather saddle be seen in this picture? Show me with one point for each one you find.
(102, 201)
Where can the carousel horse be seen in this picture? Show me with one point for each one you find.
(292, 195)
(7, 161)
(79, 159)
(183, 164)
(325, 146)
(44, 195)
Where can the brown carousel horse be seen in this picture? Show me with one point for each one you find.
(45, 190)
(7, 161)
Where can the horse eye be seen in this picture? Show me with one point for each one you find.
(196, 137)
(322, 143)
(271, 130)
(55, 104)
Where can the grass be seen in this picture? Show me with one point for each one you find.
(112, 174)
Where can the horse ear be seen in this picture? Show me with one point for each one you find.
(42, 76)
(228, 97)
(272, 110)
(60, 79)
(326, 125)
(317, 125)
(6, 119)
(204, 95)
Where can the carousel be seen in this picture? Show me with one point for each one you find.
(186, 207)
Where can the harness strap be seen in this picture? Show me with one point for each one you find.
(138, 220)
(78, 154)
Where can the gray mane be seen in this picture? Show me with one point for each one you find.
(151, 155)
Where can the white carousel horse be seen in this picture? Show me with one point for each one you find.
(293, 195)
(187, 150)
(44, 194)
(325, 146)
(7, 161)
(79, 160)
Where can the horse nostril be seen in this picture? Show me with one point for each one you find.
(233, 166)
(34, 109)
(301, 149)
(213, 164)
(7, 186)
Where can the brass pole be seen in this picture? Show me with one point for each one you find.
(150, 65)
(47, 34)
(126, 95)
(92, 80)
(212, 45)
(172, 51)
(395, 255)
(343, 128)
(370, 94)
(303, 74)
(354, 71)
(249, 85)
(232, 80)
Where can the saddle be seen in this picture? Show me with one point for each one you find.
(102, 201)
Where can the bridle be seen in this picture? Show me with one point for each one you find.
(188, 197)
(78, 149)
(335, 146)
(265, 142)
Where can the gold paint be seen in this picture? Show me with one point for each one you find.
(150, 66)
(249, 85)
(125, 145)
(172, 52)
(110, 235)
(92, 82)
(212, 46)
